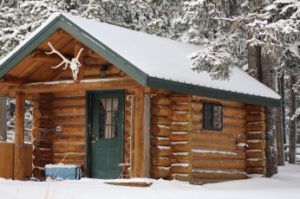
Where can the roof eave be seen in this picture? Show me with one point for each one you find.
(211, 92)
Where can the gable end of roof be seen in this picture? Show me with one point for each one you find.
(103, 50)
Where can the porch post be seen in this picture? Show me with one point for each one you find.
(138, 146)
(19, 137)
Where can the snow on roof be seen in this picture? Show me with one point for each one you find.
(167, 59)
(159, 57)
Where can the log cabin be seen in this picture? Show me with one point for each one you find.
(123, 104)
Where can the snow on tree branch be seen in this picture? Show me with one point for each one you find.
(296, 114)
(214, 59)
(275, 28)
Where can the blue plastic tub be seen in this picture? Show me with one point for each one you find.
(62, 172)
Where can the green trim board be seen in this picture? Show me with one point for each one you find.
(88, 128)
(31, 45)
(209, 92)
(144, 79)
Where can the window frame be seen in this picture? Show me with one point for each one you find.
(203, 116)
(103, 131)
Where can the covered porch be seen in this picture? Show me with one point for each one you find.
(60, 131)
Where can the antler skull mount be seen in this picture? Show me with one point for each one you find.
(74, 64)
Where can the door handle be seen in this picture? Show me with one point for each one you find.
(94, 141)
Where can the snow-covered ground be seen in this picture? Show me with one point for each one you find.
(284, 185)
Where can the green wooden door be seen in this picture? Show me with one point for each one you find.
(106, 136)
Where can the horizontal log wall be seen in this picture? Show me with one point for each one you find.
(182, 149)
(218, 155)
(67, 109)
(256, 132)
(181, 128)
(170, 134)
(69, 113)
(50, 147)
(42, 135)
(160, 136)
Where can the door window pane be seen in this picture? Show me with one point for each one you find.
(108, 108)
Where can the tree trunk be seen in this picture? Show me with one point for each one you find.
(283, 108)
(270, 150)
(261, 66)
(292, 123)
(280, 125)
(3, 134)
(269, 79)
(254, 62)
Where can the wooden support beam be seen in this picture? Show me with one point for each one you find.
(51, 59)
(92, 53)
(70, 85)
(92, 61)
(14, 80)
(54, 59)
(4, 90)
(7, 86)
(19, 137)
(138, 146)
(10, 91)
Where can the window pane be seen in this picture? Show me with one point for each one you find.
(115, 104)
(207, 116)
(108, 108)
(212, 116)
(217, 117)
(108, 104)
(108, 117)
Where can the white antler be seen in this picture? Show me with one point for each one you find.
(74, 64)
(78, 55)
(65, 60)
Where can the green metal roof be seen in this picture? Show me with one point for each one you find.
(60, 21)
